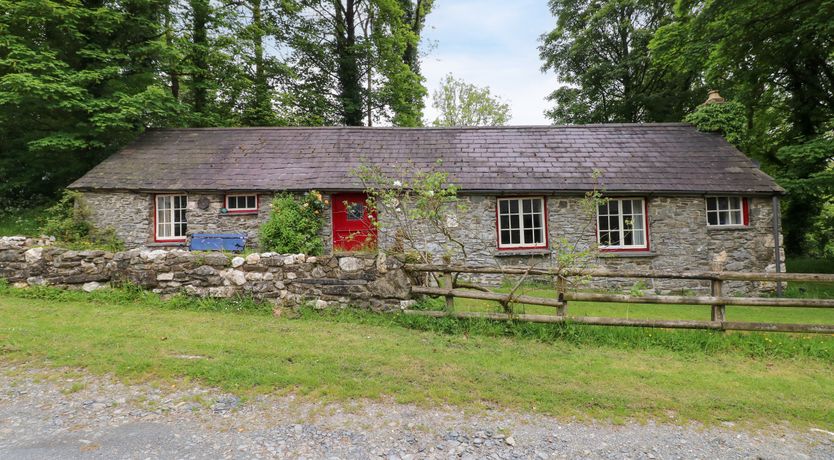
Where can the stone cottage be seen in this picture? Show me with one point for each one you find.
(679, 199)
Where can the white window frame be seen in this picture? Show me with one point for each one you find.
(730, 210)
(171, 213)
(241, 195)
(621, 226)
(523, 244)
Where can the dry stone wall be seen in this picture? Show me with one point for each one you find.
(377, 282)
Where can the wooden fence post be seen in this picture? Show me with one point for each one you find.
(718, 310)
(450, 299)
(561, 288)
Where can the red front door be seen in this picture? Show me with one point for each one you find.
(353, 222)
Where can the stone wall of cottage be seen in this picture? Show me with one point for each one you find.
(130, 214)
(375, 282)
(678, 235)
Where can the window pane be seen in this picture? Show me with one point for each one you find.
(639, 238)
(537, 205)
(528, 220)
(614, 222)
(722, 218)
(615, 238)
(722, 203)
(515, 237)
(712, 218)
(712, 204)
(503, 206)
(637, 221)
(537, 220)
(514, 206)
(603, 209)
(527, 205)
(604, 239)
(628, 238)
(528, 236)
(735, 217)
(613, 207)
(505, 237)
(539, 235)
(735, 203)
(627, 207)
(514, 220)
(603, 223)
(504, 222)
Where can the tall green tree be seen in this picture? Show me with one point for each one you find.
(77, 80)
(599, 51)
(776, 58)
(352, 62)
(464, 104)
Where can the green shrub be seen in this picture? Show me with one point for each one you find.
(294, 224)
(69, 222)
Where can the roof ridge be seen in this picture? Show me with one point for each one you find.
(427, 128)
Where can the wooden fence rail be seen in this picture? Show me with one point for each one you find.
(716, 300)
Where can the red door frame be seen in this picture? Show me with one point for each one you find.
(352, 234)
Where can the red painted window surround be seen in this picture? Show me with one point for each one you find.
(645, 223)
(155, 228)
(546, 244)
(242, 211)
(745, 212)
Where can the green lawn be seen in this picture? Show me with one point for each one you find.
(347, 355)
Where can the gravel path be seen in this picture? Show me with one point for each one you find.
(70, 414)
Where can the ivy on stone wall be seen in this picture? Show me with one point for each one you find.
(69, 222)
(294, 224)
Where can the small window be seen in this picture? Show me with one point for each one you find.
(355, 211)
(621, 224)
(521, 223)
(242, 203)
(726, 211)
(171, 224)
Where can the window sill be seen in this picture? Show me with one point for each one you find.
(720, 228)
(521, 252)
(617, 254)
(238, 213)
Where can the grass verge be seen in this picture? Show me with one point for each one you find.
(614, 374)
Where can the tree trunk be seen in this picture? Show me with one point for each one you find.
(350, 86)
(199, 55)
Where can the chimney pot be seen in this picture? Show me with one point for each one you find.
(714, 98)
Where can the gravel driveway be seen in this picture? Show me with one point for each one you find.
(69, 414)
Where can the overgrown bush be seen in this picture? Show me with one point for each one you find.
(69, 222)
(295, 224)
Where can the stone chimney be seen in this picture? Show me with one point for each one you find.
(714, 98)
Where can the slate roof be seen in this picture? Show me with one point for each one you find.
(638, 158)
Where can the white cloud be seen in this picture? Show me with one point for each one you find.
(492, 43)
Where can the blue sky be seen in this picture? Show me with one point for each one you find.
(491, 43)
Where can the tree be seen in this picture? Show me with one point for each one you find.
(775, 58)
(77, 80)
(464, 104)
(351, 61)
(599, 52)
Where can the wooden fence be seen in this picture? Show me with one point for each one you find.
(717, 300)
